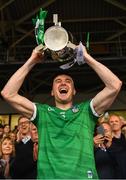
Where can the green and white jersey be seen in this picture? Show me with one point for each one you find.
(65, 142)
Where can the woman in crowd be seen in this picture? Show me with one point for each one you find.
(6, 130)
(7, 152)
(13, 136)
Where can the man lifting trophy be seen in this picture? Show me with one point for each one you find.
(65, 130)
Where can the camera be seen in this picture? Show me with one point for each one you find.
(100, 130)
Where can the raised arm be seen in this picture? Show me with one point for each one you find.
(10, 91)
(103, 100)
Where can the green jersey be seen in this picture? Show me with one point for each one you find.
(65, 142)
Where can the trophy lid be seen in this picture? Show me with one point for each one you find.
(55, 38)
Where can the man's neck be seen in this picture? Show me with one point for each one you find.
(64, 106)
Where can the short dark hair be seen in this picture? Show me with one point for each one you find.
(62, 73)
(20, 117)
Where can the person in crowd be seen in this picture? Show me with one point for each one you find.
(1, 131)
(24, 166)
(123, 120)
(65, 131)
(7, 153)
(13, 136)
(105, 164)
(123, 127)
(34, 133)
(6, 130)
(123, 130)
(118, 148)
(23, 129)
(116, 124)
(34, 137)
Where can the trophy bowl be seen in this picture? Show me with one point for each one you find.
(56, 38)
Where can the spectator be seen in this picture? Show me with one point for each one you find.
(34, 133)
(123, 120)
(105, 164)
(116, 124)
(1, 131)
(24, 166)
(118, 148)
(123, 130)
(34, 137)
(6, 130)
(13, 136)
(7, 152)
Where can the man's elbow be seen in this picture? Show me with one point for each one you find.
(117, 86)
(6, 95)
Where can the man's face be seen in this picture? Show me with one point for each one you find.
(63, 89)
(24, 126)
(115, 123)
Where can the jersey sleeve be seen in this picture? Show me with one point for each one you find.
(93, 110)
(34, 113)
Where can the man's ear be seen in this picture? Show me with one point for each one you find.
(52, 94)
(74, 92)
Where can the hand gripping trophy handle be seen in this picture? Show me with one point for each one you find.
(40, 48)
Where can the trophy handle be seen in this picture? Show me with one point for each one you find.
(71, 45)
(40, 48)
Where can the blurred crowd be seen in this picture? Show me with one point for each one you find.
(18, 150)
(110, 147)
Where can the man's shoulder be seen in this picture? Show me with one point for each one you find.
(85, 104)
(42, 106)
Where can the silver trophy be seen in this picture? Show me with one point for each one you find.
(58, 46)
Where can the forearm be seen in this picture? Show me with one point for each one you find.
(110, 80)
(10, 91)
(103, 100)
